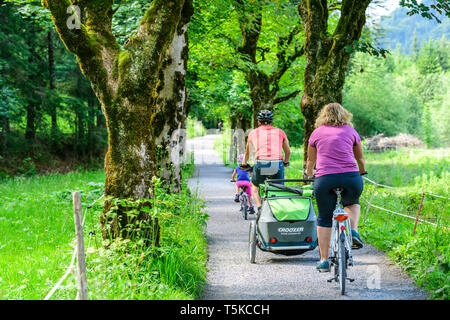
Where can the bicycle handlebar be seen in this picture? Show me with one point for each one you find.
(313, 178)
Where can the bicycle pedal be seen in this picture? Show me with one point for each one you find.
(350, 279)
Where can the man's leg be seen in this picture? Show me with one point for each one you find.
(256, 197)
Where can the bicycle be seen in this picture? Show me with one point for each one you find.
(243, 198)
(341, 244)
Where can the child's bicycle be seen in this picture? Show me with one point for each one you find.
(243, 199)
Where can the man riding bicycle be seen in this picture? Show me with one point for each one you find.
(267, 142)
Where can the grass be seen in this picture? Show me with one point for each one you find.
(36, 228)
(37, 241)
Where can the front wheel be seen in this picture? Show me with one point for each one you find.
(244, 207)
(252, 242)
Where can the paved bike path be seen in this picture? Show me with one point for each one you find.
(232, 277)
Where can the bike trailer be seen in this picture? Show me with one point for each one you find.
(287, 224)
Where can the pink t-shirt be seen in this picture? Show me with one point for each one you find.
(334, 149)
(267, 142)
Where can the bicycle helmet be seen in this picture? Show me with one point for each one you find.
(265, 116)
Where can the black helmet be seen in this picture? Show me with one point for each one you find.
(265, 116)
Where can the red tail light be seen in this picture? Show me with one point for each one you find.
(309, 239)
(273, 240)
(341, 217)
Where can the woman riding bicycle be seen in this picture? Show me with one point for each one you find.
(333, 147)
(243, 180)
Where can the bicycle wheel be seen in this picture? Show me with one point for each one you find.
(252, 242)
(342, 264)
(244, 207)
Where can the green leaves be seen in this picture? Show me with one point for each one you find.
(366, 47)
(427, 9)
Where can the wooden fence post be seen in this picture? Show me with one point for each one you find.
(370, 202)
(418, 211)
(81, 262)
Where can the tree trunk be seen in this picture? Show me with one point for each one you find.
(141, 89)
(5, 129)
(260, 93)
(51, 69)
(264, 86)
(326, 57)
(30, 130)
(241, 124)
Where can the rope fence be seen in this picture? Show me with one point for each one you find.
(70, 268)
(370, 205)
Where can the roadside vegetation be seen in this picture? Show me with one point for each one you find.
(37, 241)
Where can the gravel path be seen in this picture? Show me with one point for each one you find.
(232, 277)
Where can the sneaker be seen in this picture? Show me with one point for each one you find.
(251, 210)
(357, 242)
(236, 198)
(323, 266)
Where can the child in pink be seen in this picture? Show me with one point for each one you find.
(243, 179)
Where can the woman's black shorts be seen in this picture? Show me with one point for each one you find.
(326, 198)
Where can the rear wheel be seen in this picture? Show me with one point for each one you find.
(342, 260)
(252, 242)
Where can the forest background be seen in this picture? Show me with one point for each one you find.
(51, 121)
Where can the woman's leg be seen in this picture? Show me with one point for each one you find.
(354, 212)
(326, 202)
(324, 237)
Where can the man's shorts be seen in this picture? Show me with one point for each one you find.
(267, 169)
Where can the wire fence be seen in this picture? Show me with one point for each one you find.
(71, 266)
(416, 218)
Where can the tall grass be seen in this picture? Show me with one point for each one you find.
(37, 241)
(36, 228)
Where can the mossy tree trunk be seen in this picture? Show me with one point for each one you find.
(264, 86)
(141, 88)
(326, 54)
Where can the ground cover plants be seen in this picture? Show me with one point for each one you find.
(37, 241)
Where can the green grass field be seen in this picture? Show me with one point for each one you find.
(36, 230)
(37, 241)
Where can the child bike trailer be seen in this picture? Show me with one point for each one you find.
(287, 222)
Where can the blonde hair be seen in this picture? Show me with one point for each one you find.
(333, 114)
